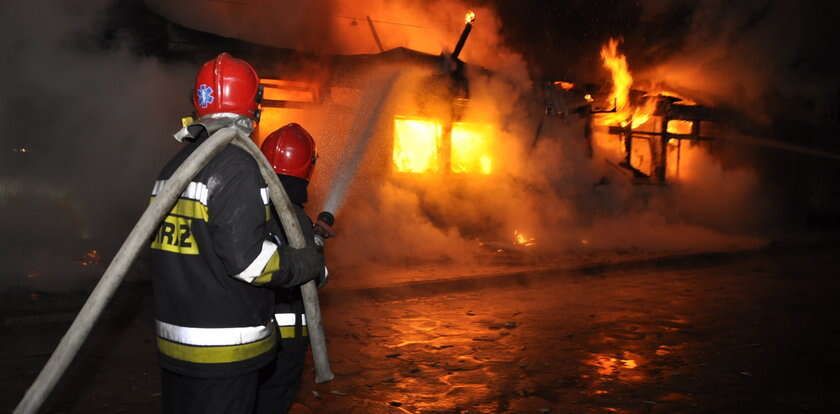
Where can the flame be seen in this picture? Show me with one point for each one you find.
(469, 18)
(616, 63)
(676, 126)
(625, 114)
(416, 145)
(471, 148)
(564, 85)
(633, 114)
(588, 97)
(90, 258)
(521, 239)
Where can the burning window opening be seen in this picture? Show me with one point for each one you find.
(676, 126)
(417, 144)
(471, 148)
(283, 90)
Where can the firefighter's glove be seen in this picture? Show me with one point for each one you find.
(301, 265)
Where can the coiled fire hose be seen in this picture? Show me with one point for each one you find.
(138, 239)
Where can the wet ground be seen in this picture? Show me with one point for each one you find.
(734, 333)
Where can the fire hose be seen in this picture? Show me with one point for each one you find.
(137, 240)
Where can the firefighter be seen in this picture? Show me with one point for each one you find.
(214, 260)
(291, 152)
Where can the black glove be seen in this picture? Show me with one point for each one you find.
(300, 265)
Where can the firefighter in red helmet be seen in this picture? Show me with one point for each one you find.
(215, 262)
(291, 152)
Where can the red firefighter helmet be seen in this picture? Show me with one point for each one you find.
(227, 84)
(291, 151)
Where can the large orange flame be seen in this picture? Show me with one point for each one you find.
(625, 114)
(616, 63)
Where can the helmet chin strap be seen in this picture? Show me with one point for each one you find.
(215, 122)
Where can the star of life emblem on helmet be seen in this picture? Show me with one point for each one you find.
(205, 95)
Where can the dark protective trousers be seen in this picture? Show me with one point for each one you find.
(279, 382)
(190, 395)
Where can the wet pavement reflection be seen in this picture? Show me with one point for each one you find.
(683, 340)
(540, 349)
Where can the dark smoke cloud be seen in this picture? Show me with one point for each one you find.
(770, 58)
(767, 58)
(96, 124)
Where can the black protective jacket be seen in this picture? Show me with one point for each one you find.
(213, 260)
(288, 302)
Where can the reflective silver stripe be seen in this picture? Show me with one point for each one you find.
(285, 319)
(288, 319)
(194, 191)
(264, 195)
(211, 336)
(256, 267)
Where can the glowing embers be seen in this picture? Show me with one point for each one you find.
(520, 239)
(471, 148)
(417, 145)
(90, 258)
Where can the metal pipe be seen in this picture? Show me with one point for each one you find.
(464, 35)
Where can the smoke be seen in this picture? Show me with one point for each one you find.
(95, 125)
(96, 122)
(546, 189)
(342, 27)
(755, 56)
(550, 193)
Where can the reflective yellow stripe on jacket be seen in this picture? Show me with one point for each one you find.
(214, 345)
